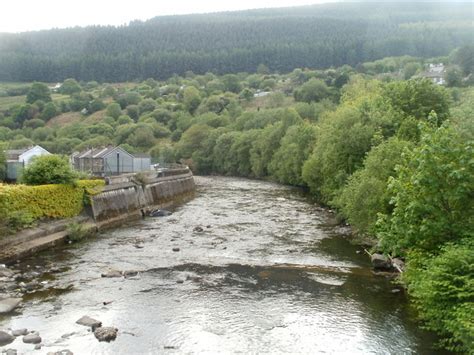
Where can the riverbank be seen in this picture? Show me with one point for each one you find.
(126, 199)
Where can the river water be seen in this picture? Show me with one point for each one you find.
(270, 273)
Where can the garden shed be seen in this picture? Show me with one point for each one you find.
(108, 161)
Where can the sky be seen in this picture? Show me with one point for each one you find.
(32, 15)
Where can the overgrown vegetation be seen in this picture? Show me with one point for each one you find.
(48, 169)
(21, 205)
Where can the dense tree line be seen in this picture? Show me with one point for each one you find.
(282, 39)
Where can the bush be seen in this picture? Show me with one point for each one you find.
(443, 292)
(20, 204)
(48, 169)
(77, 232)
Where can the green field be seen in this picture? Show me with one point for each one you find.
(7, 102)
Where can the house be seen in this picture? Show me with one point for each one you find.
(109, 161)
(435, 73)
(17, 159)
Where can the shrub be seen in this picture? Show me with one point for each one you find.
(77, 232)
(443, 292)
(48, 169)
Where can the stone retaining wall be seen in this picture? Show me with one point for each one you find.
(132, 199)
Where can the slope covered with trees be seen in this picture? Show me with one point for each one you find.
(318, 36)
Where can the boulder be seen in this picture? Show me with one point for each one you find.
(11, 352)
(198, 229)
(380, 262)
(106, 333)
(112, 273)
(159, 213)
(61, 352)
(5, 338)
(9, 304)
(32, 339)
(18, 332)
(89, 322)
(398, 264)
(176, 249)
(130, 273)
(5, 272)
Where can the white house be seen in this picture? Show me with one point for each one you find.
(17, 159)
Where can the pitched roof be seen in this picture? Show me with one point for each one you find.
(141, 155)
(98, 153)
(14, 154)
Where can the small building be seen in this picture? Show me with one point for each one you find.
(435, 73)
(109, 161)
(17, 159)
(141, 162)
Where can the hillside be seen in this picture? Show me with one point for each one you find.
(318, 36)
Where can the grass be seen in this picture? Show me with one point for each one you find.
(7, 102)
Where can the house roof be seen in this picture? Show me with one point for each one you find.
(14, 154)
(98, 153)
(141, 155)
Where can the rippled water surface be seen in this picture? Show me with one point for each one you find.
(269, 273)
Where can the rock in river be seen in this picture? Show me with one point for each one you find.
(32, 339)
(89, 322)
(18, 332)
(9, 304)
(380, 262)
(106, 333)
(112, 273)
(160, 213)
(5, 338)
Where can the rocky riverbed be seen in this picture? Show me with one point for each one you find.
(245, 267)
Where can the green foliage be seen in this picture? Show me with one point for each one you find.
(113, 110)
(417, 98)
(306, 37)
(432, 194)
(313, 90)
(44, 201)
(343, 138)
(296, 146)
(38, 91)
(3, 162)
(365, 195)
(49, 111)
(18, 220)
(464, 57)
(191, 99)
(48, 169)
(70, 87)
(442, 287)
(77, 232)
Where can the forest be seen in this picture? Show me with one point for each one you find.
(384, 146)
(318, 36)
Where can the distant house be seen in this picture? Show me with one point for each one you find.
(109, 161)
(17, 159)
(435, 73)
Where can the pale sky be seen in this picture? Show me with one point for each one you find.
(32, 15)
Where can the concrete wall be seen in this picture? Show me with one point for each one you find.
(129, 200)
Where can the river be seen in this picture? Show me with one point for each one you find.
(270, 272)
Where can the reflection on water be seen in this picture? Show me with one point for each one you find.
(268, 273)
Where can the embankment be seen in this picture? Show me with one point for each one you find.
(124, 199)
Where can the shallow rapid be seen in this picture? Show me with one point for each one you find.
(244, 267)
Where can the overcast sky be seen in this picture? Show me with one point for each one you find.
(30, 15)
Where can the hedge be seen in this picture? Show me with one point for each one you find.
(46, 201)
